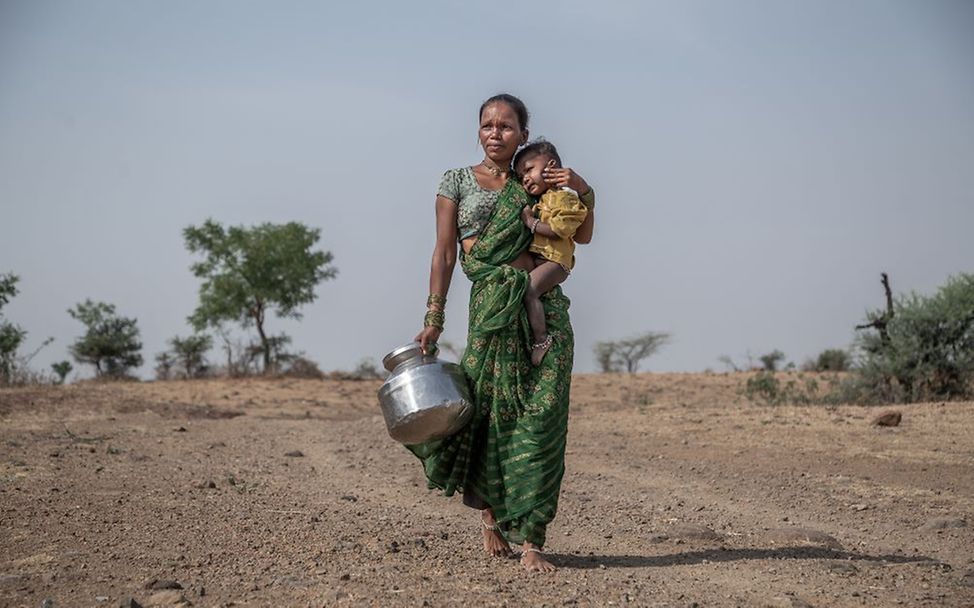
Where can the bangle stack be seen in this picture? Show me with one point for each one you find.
(534, 226)
(435, 316)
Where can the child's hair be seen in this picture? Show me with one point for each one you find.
(538, 147)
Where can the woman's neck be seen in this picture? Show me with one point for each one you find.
(496, 169)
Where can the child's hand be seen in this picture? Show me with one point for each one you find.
(527, 216)
(562, 177)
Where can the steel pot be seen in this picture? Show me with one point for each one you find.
(423, 398)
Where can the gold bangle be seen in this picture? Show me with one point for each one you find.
(436, 299)
(434, 318)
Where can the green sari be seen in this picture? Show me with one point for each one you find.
(512, 454)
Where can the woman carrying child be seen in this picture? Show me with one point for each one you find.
(510, 460)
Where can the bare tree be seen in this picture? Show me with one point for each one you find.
(627, 354)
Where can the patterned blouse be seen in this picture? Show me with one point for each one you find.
(474, 204)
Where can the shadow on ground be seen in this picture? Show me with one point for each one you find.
(726, 555)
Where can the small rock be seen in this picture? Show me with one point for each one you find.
(101, 598)
(787, 601)
(129, 602)
(444, 536)
(295, 454)
(968, 579)
(341, 595)
(201, 591)
(349, 498)
(157, 584)
(943, 523)
(843, 568)
(859, 507)
(802, 537)
(181, 429)
(888, 419)
(393, 547)
(692, 532)
(171, 597)
(55, 454)
(113, 450)
(344, 577)
(47, 603)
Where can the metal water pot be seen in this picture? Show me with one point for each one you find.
(423, 398)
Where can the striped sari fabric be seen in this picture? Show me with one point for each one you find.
(512, 454)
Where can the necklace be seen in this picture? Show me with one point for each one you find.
(492, 168)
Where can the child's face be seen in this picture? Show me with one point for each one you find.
(530, 169)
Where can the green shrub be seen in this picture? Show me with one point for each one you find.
(926, 350)
(832, 360)
(110, 343)
(771, 360)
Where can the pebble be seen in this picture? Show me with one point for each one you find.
(943, 523)
(787, 601)
(802, 536)
(843, 568)
(888, 419)
(157, 584)
(170, 597)
(691, 532)
(295, 454)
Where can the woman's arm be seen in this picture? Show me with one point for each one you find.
(444, 260)
(583, 236)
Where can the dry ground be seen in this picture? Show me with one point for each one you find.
(678, 493)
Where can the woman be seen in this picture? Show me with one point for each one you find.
(510, 459)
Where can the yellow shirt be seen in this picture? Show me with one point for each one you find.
(564, 213)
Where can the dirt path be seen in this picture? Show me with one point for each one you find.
(678, 493)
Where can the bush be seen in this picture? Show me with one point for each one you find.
(11, 335)
(771, 360)
(62, 369)
(798, 390)
(924, 349)
(829, 360)
(190, 352)
(302, 367)
(110, 343)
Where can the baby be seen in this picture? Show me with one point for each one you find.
(553, 221)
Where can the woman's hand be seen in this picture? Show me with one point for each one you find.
(564, 177)
(428, 337)
(527, 215)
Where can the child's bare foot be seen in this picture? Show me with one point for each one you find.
(539, 350)
(494, 543)
(533, 560)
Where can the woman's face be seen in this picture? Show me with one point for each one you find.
(501, 133)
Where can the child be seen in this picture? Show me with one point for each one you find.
(559, 214)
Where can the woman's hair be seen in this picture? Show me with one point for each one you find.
(516, 104)
(538, 147)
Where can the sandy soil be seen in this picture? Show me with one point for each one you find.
(678, 493)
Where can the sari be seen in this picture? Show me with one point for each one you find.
(511, 456)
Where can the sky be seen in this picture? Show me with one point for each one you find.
(757, 163)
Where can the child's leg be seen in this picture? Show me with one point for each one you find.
(545, 276)
(524, 261)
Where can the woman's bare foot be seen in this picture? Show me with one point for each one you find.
(533, 560)
(539, 350)
(494, 543)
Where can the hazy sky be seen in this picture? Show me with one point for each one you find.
(757, 164)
